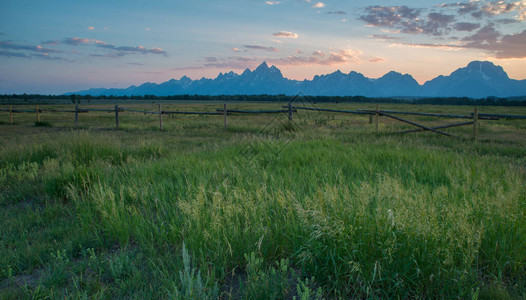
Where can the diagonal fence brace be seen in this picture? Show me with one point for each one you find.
(415, 124)
(438, 127)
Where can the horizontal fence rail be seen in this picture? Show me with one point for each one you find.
(139, 111)
(175, 112)
(220, 112)
(502, 116)
(358, 112)
(481, 116)
(290, 109)
(418, 114)
(237, 111)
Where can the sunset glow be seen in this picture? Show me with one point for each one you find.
(63, 46)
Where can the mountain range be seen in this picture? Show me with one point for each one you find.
(477, 80)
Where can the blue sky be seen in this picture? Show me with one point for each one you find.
(61, 46)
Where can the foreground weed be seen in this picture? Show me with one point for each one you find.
(57, 274)
(279, 281)
(192, 285)
(306, 291)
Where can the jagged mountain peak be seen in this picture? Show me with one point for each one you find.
(396, 75)
(334, 75)
(355, 74)
(226, 76)
(263, 66)
(392, 74)
(477, 79)
(263, 70)
(485, 69)
(477, 64)
(246, 72)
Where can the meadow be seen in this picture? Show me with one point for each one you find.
(325, 207)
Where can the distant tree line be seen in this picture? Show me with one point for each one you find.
(514, 101)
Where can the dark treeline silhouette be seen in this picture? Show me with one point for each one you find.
(86, 99)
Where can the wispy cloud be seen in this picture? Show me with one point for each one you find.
(503, 46)
(377, 59)
(48, 57)
(263, 48)
(389, 16)
(272, 2)
(187, 68)
(486, 38)
(480, 9)
(384, 37)
(38, 48)
(483, 37)
(10, 49)
(51, 42)
(339, 12)
(512, 46)
(286, 34)
(157, 51)
(91, 28)
(319, 5)
(333, 58)
(117, 50)
(503, 7)
(463, 8)
(210, 59)
(506, 21)
(408, 20)
(7, 53)
(234, 62)
(478, 17)
(75, 41)
(123, 50)
(466, 26)
(448, 47)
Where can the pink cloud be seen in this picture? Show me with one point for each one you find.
(338, 57)
(257, 47)
(377, 59)
(286, 34)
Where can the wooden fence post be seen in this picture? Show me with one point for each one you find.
(160, 117)
(38, 114)
(117, 116)
(290, 111)
(225, 114)
(377, 116)
(475, 123)
(76, 115)
(10, 114)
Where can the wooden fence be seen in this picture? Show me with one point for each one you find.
(289, 109)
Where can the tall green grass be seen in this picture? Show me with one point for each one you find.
(350, 216)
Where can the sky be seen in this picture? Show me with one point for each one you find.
(59, 46)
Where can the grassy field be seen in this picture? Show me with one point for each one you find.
(322, 208)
